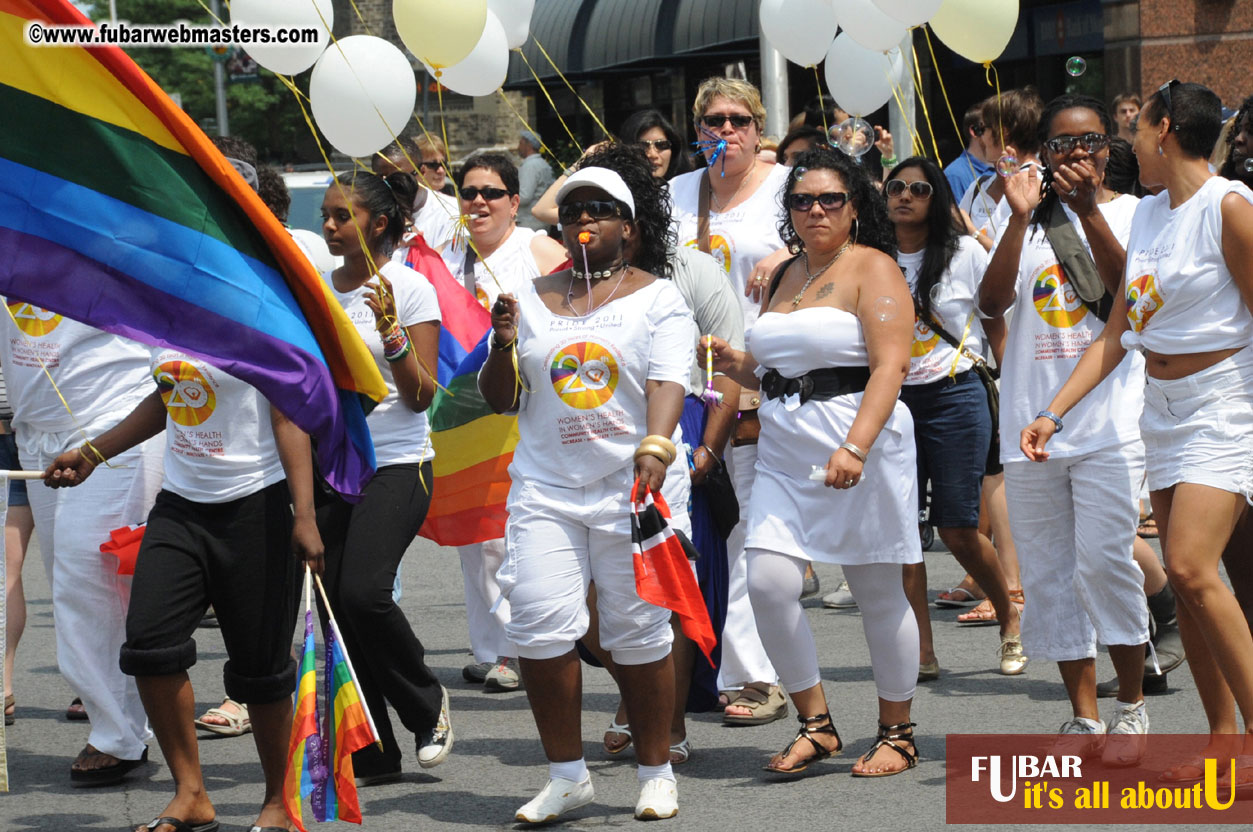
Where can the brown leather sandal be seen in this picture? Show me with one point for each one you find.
(890, 736)
(807, 732)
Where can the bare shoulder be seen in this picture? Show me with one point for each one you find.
(549, 254)
(874, 268)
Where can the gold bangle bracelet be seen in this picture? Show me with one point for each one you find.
(663, 441)
(654, 450)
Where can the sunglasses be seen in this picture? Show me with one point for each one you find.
(1164, 90)
(488, 194)
(598, 209)
(431, 165)
(830, 201)
(656, 144)
(715, 120)
(896, 187)
(1091, 142)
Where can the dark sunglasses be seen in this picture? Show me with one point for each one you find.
(431, 165)
(979, 129)
(830, 201)
(715, 120)
(598, 209)
(896, 187)
(488, 194)
(1164, 90)
(656, 144)
(1091, 142)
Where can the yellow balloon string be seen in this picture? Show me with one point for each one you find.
(545, 149)
(544, 90)
(925, 113)
(899, 94)
(822, 105)
(99, 460)
(990, 74)
(569, 86)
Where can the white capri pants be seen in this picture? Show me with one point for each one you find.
(1199, 428)
(558, 540)
(486, 612)
(1074, 523)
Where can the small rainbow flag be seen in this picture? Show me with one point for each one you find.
(345, 729)
(116, 210)
(306, 757)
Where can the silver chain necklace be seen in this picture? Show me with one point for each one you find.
(810, 277)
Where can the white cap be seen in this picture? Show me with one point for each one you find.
(602, 178)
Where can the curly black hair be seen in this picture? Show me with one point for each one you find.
(1058, 105)
(871, 227)
(652, 203)
(1229, 163)
(273, 192)
(390, 196)
(944, 232)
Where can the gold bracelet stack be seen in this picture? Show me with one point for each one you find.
(658, 446)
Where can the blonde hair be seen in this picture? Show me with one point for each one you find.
(741, 92)
(427, 143)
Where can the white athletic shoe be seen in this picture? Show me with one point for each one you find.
(557, 798)
(1126, 738)
(841, 599)
(659, 798)
(435, 747)
(1080, 736)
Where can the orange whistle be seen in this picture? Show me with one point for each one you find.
(585, 237)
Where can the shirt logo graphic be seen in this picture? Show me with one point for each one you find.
(584, 374)
(1143, 301)
(33, 320)
(188, 397)
(1056, 300)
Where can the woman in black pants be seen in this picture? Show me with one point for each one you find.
(396, 312)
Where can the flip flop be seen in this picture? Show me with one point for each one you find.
(10, 717)
(950, 601)
(107, 776)
(184, 826)
(237, 723)
(617, 728)
(984, 615)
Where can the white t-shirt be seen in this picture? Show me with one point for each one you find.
(219, 440)
(98, 373)
(739, 238)
(400, 435)
(507, 269)
(586, 410)
(953, 300)
(1178, 279)
(315, 248)
(988, 215)
(437, 218)
(1050, 331)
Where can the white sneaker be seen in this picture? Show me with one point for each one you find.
(503, 676)
(1079, 736)
(841, 599)
(659, 799)
(437, 745)
(1013, 660)
(1126, 738)
(557, 798)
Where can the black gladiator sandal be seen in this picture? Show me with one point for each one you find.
(891, 735)
(807, 732)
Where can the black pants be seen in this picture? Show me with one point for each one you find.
(364, 545)
(236, 556)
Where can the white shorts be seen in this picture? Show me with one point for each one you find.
(560, 539)
(1199, 428)
(1074, 523)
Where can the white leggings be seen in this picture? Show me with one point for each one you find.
(774, 586)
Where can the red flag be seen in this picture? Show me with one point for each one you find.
(123, 544)
(663, 575)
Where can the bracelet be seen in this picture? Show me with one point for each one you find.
(393, 357)
(887, 161)
(708, 450)
(394, 339)
(654, 450)
(499, 347)
(87, 446)
(1052, 417)
(854, 450)
(664, 442)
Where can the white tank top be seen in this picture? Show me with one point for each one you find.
(507, 269)
(1180, 294)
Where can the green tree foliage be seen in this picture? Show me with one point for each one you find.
(264, 112)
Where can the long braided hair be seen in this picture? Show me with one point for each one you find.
(1048, 197)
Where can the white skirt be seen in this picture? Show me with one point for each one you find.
(1199, 428)
(875, 521)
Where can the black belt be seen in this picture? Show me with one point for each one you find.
(819, 385)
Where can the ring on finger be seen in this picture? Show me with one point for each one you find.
(848, 483)
(1073, 191)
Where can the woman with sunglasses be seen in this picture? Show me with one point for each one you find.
(829, 352)
(1073, 516)
(395, 311)
(952, 423)
(1185, 303)
(435, 213)
(595, 360)
(731, 210)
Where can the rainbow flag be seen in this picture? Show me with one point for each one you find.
(306, 754)
(473, 445)
(116, 210)
(345, 729)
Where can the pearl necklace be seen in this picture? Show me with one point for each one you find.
(590, 309)
(811, 277)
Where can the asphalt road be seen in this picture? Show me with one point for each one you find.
(497, 763)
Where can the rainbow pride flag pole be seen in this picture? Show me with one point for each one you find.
(330, 616)
(306, 758)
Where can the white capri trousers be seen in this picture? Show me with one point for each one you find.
(558, 540)
(1199, 428)
(1074, 523)
(486, 612)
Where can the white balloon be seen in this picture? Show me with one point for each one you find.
(286, 14)
(910, 12)
(515, 16)
(362, 93)
(484, 69)
(861, 79)
(800, 29)
(868, 25)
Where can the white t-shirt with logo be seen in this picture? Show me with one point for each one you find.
(219, 440)
(96, 372)
(1051, 329)
(953, 300)
(1177, 276)
(400, 435)
(586, 411)
(507, 269)
(738, 238)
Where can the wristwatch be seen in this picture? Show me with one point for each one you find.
(1052, 417)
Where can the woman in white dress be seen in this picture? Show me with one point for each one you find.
(830, 350)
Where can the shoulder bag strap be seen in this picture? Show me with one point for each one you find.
(702, 213)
